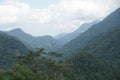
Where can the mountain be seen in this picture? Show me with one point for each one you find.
(82, 40)
(106, 46)
(22, 36)
(64, 38)
(85, 27)
(47, 42)
(89, 67)
(61, 35)
(10, 47)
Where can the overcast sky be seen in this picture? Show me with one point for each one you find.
(52, 17)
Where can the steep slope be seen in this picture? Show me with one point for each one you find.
(47, 42)
(70, 36)
(88, 67)
(22, 36)
(106, 46)
(10, 47)
(100, 59)
(81, 41)
(61, 35)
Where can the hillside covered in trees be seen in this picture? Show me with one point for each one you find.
(81, 66)
(47, 42)
(10, 47)
(98, 29)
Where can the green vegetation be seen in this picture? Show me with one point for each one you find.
(106, 46)
(9, 47)
(89, 67)
(65, 38)
(77, 44)
(40, 65)
(47, 42)
(18, 72)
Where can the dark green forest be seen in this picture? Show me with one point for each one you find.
(9, 47)
(40, 65)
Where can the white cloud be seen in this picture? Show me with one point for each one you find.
(64, 16)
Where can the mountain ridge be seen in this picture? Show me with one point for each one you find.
(10, 47)
(82, 40)
(47, 42)
(70, 36)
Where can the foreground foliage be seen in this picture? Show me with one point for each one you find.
(9, 47)
(89, 67)
(40, 65)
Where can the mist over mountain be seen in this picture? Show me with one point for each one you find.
(61, 35)
(87, 46)
(47, 42)
(106, 46)
(82, 40)
(10, 47)
(70, 36)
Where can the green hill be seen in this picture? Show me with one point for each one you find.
(47, 42)
(106, 46)
(70, 36)
(100, 59)
(9, 47)
(104, 26)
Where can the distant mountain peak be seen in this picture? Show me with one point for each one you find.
(17, 30)
(77, 44)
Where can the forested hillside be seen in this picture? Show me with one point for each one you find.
(47, 42)
(10, 47)
(100, 58)
(96, 30)
(106, 46)
(80, 66)
(87, 66)
(70, 36)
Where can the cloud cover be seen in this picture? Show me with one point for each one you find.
(64, 16)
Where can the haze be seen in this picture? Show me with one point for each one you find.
(52, 17)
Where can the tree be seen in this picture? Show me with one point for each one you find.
(2, 76)
(88, 67)
(18, 72)
(46, 66)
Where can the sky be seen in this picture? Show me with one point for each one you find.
(52, 17)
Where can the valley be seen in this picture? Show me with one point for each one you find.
(91, 52)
